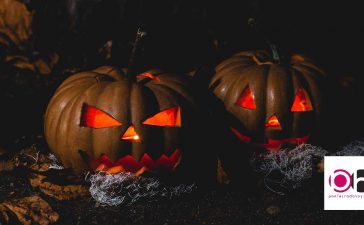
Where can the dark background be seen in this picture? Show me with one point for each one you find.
(183, 36)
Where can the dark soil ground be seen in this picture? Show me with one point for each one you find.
(216, 204)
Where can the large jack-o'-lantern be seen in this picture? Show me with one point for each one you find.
(119, 125)
(274, 104)
(117, 121)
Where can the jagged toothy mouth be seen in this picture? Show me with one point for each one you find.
(271, 144)
(128, 163)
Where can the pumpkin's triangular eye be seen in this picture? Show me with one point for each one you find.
(170, 117)
(246, 99)
(301, 102)
(95, 118)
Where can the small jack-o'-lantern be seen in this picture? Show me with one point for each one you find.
(273, 104)
(115, 124)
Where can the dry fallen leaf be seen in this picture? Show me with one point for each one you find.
(42, 66)
(59, 192)
(15, 24)
(221, 175)
(32, 158)
(15, 33)
(45, 67)
(28, 210)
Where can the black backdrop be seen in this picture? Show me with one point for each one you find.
(185, 34)
(182, 33)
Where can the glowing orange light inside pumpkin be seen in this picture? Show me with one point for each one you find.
(148, 75)
(297, 59)
(273, 122)
(301, 102)
(246, 99)
(95, 118)
(131, 135)
(170, 117)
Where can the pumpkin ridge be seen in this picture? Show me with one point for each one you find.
(243, 61)
(236, 67)
(174, 97)
(80, 99)
(234, 89)
(107, 68)
(109, 87)
(60, 95)
(311, 66)
(219, 81)
(246, 61)
(167, 79)
(56, 100)
(60, 119)
(111, 72)
(279, 82)
(60, 131)
(164, 91)
(309, 70)
(296, 81)
(64, 89)
(68, 126)
(224, 81)
(167, 91)
(262, 107)
(82, 76)
(97, 96)
(137, 107)
(227, 74)
(177, 88)
(313, 88)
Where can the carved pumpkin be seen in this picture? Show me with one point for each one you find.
(272, 104)
(112, 123)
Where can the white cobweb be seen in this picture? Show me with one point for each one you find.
(355, 148)
(287, 168)
(126, 189)
(54, 163)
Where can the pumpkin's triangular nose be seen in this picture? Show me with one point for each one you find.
(273, 122)
(131, 135)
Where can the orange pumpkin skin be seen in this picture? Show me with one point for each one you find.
(272, 104)
(147, 124)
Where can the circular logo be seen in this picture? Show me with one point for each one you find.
(341, 180)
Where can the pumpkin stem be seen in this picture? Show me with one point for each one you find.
(273, 47)
(137, 46)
